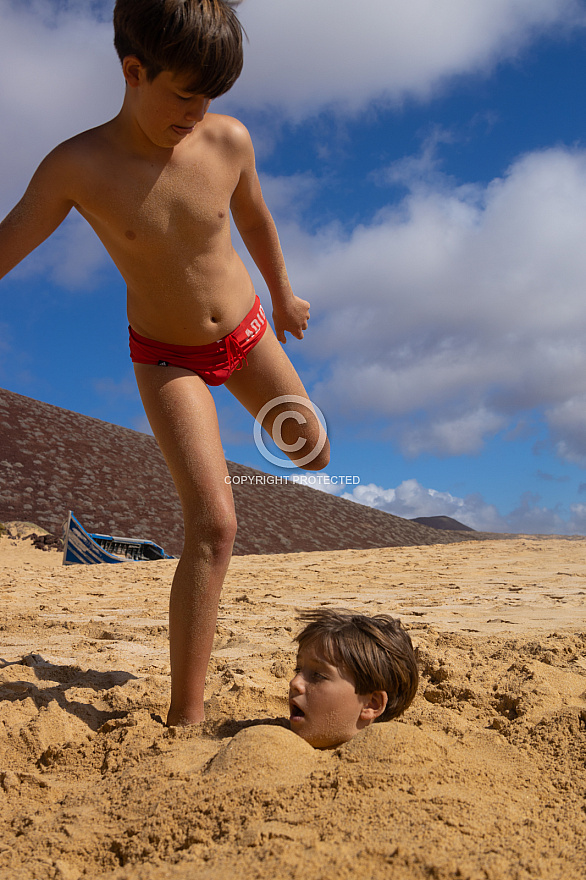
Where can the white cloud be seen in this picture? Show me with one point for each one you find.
(59, 74)
(578, 521)
(458, 435)
(74, 257)
(567, 422)
(305, 54)
(292, 193)
(457, 311)
(410, 500)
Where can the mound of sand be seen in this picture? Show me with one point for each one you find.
(484, 777)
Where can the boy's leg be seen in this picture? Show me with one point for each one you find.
(183, 417)
(267, 375)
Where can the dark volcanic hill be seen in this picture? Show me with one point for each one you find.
(442, 522)
(115, 480)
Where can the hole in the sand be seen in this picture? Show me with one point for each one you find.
(508, 706)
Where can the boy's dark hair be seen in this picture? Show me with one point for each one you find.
(376, 651)
(201, 39)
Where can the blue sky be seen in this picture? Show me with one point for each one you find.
(426, 165)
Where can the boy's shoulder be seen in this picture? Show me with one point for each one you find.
(84, 140)
(227, 129)
(66, 165)
(79, 148)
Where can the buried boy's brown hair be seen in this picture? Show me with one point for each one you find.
(376, 651)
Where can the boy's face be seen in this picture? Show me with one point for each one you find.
(165, 109)
(325, 709)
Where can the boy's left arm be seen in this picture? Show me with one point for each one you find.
(259, 233)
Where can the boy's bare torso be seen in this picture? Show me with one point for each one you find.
(164, 218)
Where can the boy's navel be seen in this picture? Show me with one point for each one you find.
(130, 235)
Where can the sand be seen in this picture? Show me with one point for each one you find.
(483, 777)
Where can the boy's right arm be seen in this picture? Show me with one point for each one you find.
(43, 207)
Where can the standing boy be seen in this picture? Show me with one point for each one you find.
(157, 183)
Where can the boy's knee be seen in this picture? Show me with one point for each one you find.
(320, 461)
(219, 533)
(211, 535)
(305, 441)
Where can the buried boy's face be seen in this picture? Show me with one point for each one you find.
(325, 708)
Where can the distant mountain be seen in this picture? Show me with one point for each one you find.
(442, 522)
(116, 482)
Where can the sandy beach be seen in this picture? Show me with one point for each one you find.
(483, 778)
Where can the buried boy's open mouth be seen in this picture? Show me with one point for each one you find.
(296, 714)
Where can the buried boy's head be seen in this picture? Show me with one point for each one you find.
(351, 670)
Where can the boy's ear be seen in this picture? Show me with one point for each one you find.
(133, 70)
(376, 705)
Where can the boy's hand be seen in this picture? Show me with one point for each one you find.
(291, 317)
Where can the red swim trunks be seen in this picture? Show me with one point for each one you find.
(214, 362)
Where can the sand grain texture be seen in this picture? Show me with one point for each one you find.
(484, 777)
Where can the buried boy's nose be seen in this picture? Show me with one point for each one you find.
(296, 684)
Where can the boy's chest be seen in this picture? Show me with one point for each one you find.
(180, 199)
